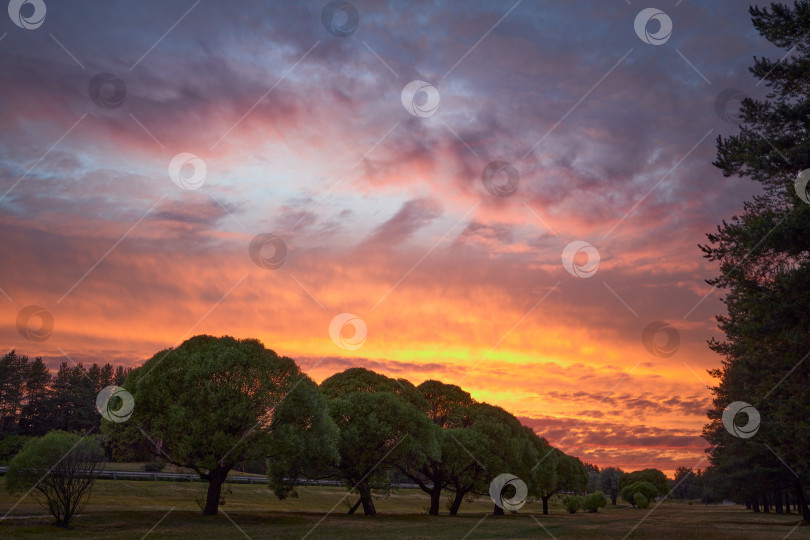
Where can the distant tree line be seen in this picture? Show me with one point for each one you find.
(33, 401)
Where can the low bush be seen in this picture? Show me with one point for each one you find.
(594, 502)
(154, 466)
(649, 491)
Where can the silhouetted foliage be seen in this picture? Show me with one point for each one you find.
(609, 482)
(33, 401)
(764, 260)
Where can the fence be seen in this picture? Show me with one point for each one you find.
(193, 477)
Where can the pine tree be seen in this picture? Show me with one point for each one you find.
(764, 258)
(13, 373)
(34, 418)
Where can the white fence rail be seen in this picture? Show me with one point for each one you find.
(194, 477)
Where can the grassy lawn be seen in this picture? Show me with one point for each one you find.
(123, 509)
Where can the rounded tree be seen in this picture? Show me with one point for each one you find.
(382, 425)
(378, 430)
(448, 410)
(655, 477)
(214, 402)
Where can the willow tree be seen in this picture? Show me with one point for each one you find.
(448, 409)
(382, 425)
(214, 402)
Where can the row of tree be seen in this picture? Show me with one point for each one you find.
(33, 401)
(212, 403)
(764, 260)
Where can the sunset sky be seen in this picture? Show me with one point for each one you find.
(305, 136)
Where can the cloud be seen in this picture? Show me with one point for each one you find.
(412, 216)
(384, 214)
(195, 210)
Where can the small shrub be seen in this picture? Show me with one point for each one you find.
(572, 504)
(641, 501)
(627, 495)
(154, 466)
(645, 488)
(594, 502)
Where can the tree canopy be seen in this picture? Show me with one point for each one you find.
(212, 402)
(655, 477)
(382, 424)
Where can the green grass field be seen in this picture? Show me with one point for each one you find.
(123, 509)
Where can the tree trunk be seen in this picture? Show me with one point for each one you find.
(366, 500)
(755, 506)
(545, 505)
(497, 511)
(353, 509)
(766, 504)
(435, 500)
(801, 502)
(459, 496)
(613, 497)
(216, 478)
(777, 502)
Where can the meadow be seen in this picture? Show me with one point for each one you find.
(124, 509)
